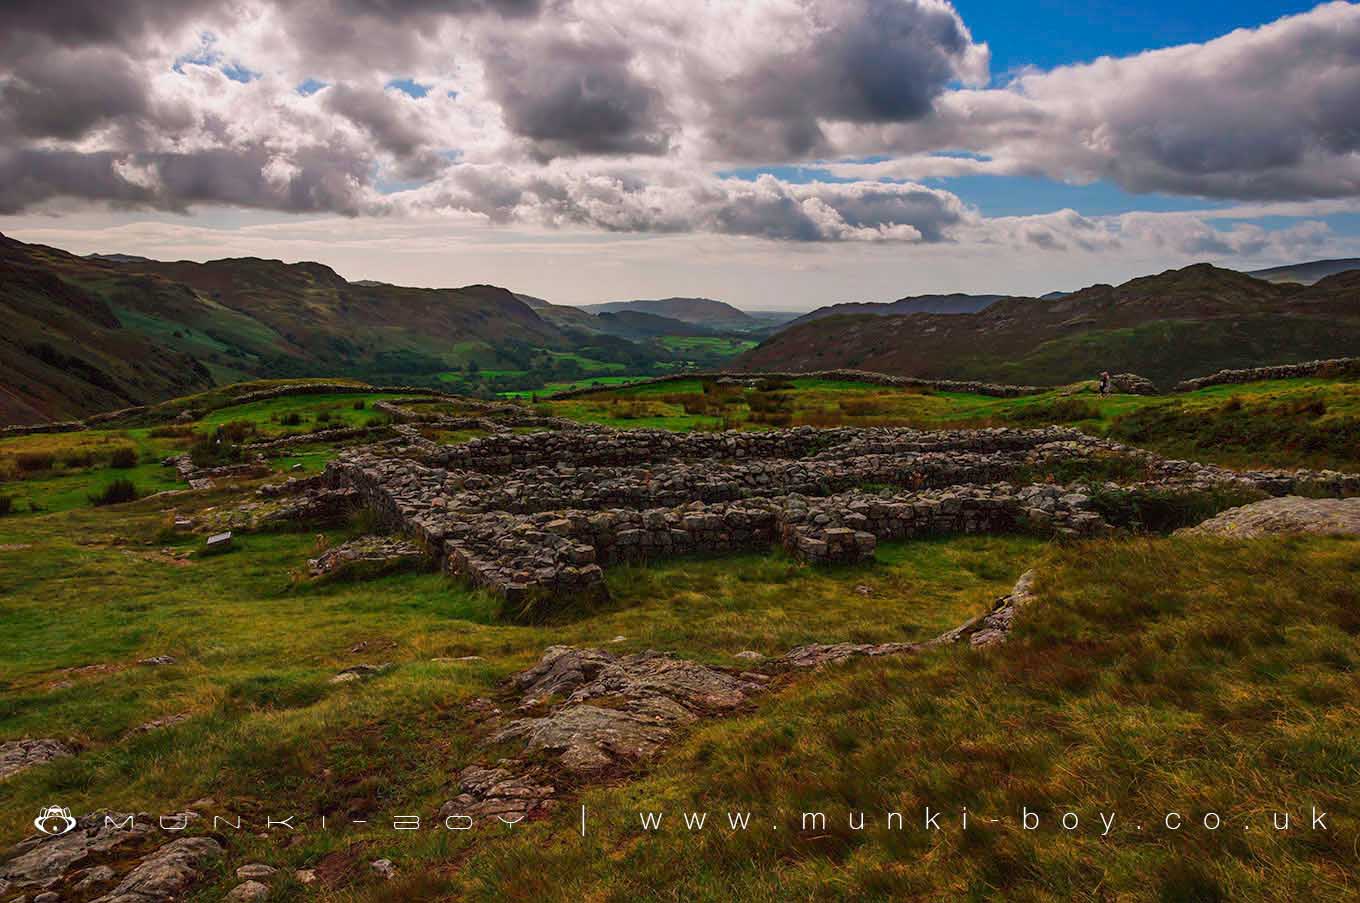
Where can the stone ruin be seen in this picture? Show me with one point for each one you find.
(534, 517)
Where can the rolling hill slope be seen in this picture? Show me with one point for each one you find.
(698, 311)
(956, 303)
(78, 335)
(1166, 327)
(1307, 273)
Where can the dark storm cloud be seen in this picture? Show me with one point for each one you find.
(321, 179)
(569, 97)
(404, 9)
(65, 93)
(80, 22)
(864, 61)
(380, 114)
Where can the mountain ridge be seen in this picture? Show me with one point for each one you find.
(1167, 327)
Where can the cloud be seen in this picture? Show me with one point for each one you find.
(770, 93)
(387, 120)
(614, 115)
(1266, 113)
(570, 97)
(764, 208)
(310, 180)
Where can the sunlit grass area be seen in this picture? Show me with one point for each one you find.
(1282, 423)
(1150, 675)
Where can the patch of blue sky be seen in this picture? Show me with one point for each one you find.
(1048, 33)
(310, 87)
(409, 87)
(208, 55)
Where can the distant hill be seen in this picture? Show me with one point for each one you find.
(1166, 327)
(1307, 273)
(634, 324)
(956, 303)
(78, 335)
(118, 258)
(700, 311)
(563, 316)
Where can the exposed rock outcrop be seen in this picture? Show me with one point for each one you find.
(20, 755)
(1290, 514)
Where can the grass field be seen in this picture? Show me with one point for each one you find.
(1153, 675)
(1294, 423)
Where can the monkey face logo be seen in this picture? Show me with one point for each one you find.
(54, 821)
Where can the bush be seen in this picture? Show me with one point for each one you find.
(216, 450)
(77, 460)
(6, 505)
(292, 418)
(123, 458)
(116, 493)
(863, 407)
(34, 461)
(236, 430)
(323, 417)
(1162, 511)
(360, 405)
(171, 432)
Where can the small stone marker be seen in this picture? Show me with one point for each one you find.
(219, 541)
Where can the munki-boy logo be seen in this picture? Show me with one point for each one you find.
(54, 820)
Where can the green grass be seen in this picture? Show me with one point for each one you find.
(1282, 423)
(1151, 675)
(706, 344)
(1156, 676)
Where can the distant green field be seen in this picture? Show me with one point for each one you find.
(585, 382)
(711, 344)
(1306, 422)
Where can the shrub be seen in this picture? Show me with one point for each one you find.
(236, 430)
(292, 418)
(769, 402)
(6, 505)
(123, 458)
(323, 416)
(863, 407)
(360, 405)
(79, 459)
(171, 432)
(34, 461)
(1161, 511)
(215, 450)
(116, 493)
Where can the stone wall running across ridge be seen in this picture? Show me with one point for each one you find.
(534, 517)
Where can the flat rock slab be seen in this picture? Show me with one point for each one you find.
(167, 873)
(1288, 514)
(617, 709)
(19, 755)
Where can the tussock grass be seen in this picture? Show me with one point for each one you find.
(1152, 674)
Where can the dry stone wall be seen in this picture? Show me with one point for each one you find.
(974, 387)
(537, 516)
(1337, 366)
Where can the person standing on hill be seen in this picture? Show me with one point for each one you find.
(1104, 382)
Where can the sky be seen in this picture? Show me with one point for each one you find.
(777, 154)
